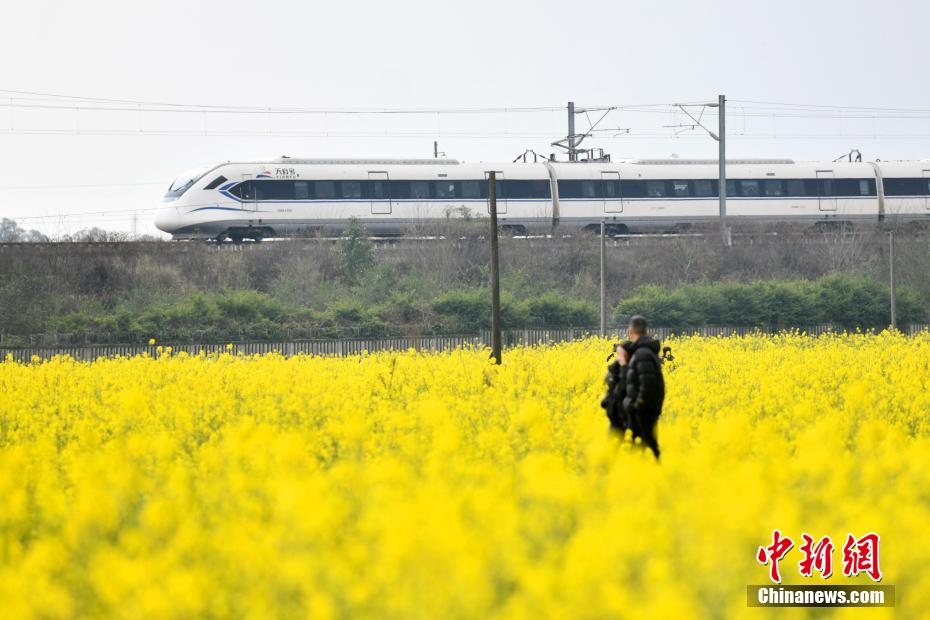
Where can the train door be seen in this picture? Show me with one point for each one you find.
(248, 194)
(610, 192)
(501, 193)
(380, 194)
(926, 189)
(826, 197)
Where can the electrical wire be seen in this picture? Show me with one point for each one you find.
(830, 107)
(631, 135)
(148, 106)
(104, 212)
(78, 186)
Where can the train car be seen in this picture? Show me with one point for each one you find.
(674, 194)
(287, 197)
(905, 190)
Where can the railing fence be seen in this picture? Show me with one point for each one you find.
(355, 346)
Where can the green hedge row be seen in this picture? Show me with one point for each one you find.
(843, 300)
(236, 315)
(849, 301)
(469, 311)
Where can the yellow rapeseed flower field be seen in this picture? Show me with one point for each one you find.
(415, 485)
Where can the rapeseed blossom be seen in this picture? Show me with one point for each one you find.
(417, 485)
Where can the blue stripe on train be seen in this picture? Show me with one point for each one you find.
(713, 199)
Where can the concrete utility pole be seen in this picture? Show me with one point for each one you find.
(722, 140)
(572, 155)
(495, 271)
(894, 303)
(603, 283)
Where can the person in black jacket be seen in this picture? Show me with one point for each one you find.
(644, 387)
(616, 389)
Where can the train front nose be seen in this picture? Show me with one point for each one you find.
(167, 219)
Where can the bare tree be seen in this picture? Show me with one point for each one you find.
(11, 232)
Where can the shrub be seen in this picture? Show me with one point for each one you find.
(557, 310)
(356, 253)
(848, 301)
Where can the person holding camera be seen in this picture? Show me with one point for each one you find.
(636, 388)
(616, 388)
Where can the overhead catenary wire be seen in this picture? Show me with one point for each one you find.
(78, 185)
(47, 100)
(831, 107)
(628, 134)
(39, 101)
(131, 105)
(86, 214)
(669, 109)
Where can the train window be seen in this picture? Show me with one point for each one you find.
(324, 189)
(444, 189)
(243, 190)
(576, 189)
(216, 182)
(471, 189)
(795, 187)
(748, 189)
(703, 188)
(378, 190)
(853, 187)
(633, 189)
(273, 190)
(825, 187)
(731, 188)
(419, 189)
(773, 187)
(350, 189)
(569, 189)
(301, 190)
(681, 189)
(893, 187)
(185, 181)
(524, 188)
(906, 187)
(655, 189)
(611, 189)
(540, 188)
(399, 190)
(846, 187)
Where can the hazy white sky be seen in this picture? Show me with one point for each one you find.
(432, 54)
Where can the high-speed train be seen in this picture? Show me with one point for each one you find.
(291, 197)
